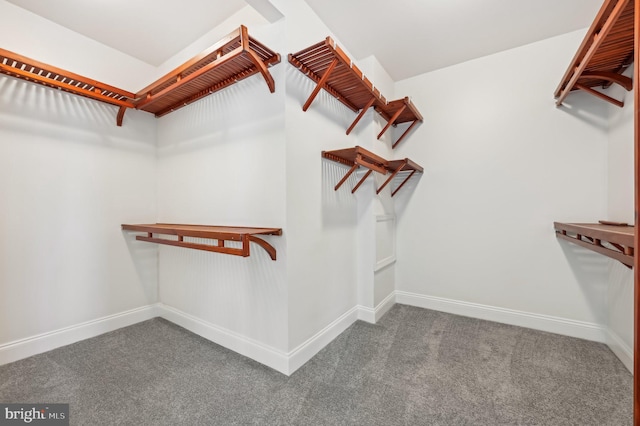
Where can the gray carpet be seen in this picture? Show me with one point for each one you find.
(415, 367)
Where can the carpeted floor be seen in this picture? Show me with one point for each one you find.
(415, 367)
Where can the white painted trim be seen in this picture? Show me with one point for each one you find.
(564, 326)
(391, 259)
(267, 355)
(307, 350)
(373, 315)
(23, 348)
(620, 349)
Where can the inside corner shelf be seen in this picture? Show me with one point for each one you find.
(332, 70)
(358, 156)
(244, 235)
(614, 241)
(605, 53)
(236, 57)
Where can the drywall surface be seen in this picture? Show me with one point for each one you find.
(321, 222)
(502, 163)
(68, 178)
(620, 208)
(221, 161)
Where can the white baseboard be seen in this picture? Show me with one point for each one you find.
(23, 348)
(567, 327)
(372, 315)
(307, 350)
(243, 345)
(620, 348)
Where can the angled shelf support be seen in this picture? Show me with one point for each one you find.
(356, 157)
(400, 111)
(331, 69)
(397, 166)
(614, 241)
(605, 53)
(28, 69)
(219, 233)
(235, 57)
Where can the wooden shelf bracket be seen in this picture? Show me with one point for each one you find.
(219, 233)
(605, 53)
(397, 166)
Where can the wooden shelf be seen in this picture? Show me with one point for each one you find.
(358, 156)
(232, 59)
(28, 69)
(605, 53)
(613, 241)
(245, 235)
(235, 57)
(332, 70)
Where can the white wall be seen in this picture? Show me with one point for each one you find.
(68, 178)
(501, 164)
(221, 161)
(620, 208)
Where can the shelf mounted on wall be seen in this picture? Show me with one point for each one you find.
(397, 166)
(358, 156)
(614, 241)
(605, 53)
(332, 70)
(221, 234)
(234, 58)
(33, 71)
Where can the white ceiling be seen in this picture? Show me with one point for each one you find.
(409, 37)
(150, 30)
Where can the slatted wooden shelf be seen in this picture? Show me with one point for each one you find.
(221, 234)
(395, 167)
(28, 69)
(232, 59)
(235, 57)
(358, 156)
(613, 241)
(332, 70)
(605, 53)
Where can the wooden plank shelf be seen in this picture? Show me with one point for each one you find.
(358, 156)
(234, 58)
(332, 70)
(614, 241)
(605, 53)
(244, 235)
(33, 71)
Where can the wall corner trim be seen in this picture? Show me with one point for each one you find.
(551, 324)
(373, 315)
(620, 349)
(23, 348)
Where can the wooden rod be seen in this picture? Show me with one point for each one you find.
(205, 247)
(344, 179)
(362, 112)
(599, 95)
(321, 83)
(636, 238)
(393, 119)
(598, 39)
(406, 132)
(366, 175)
